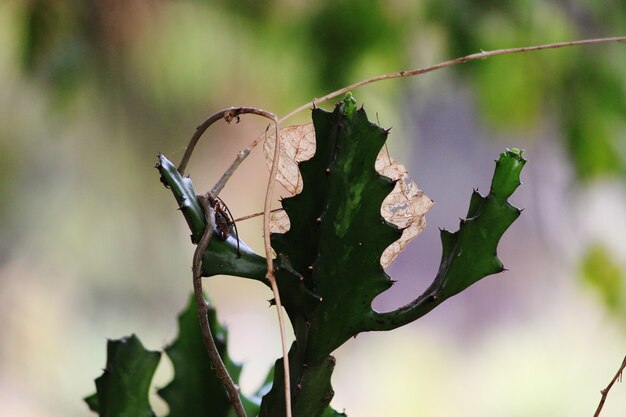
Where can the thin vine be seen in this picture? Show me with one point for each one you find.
(243, 154)
(233, 113)
(605, 392)
(230, 114)
(202, 307)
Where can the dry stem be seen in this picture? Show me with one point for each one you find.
(202, 307)
(270, 266)
(228, 115)
(253, 215)
(243, 154)
(605, 392)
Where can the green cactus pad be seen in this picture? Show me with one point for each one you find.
(470, 253)
(122, 390)
(196, 388)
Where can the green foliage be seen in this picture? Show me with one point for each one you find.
(221, 256)
(604, 274)
(593, 119)
(339, 264)
(328, 265)
(122, 390)
(69, 42)
(470, 253)
(341, 189)
(56, 43)
(195, 387)
(347, 31)
(332, 413)
(310, 383)
(583, 87)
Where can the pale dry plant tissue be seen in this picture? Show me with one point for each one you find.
(406, 206)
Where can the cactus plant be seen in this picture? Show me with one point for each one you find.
(327, 264)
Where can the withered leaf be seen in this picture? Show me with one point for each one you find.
(297, 145)
(279, 222)
(406, 206)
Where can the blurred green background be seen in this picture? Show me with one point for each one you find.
(92, 248)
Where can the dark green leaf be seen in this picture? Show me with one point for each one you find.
(328, 263)
(311, 388)
(122, 390)
(330, 412)
(337, 260)
(470, 253)
(195, 390)
(221, 256)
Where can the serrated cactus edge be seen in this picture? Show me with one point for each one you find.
(328, 263)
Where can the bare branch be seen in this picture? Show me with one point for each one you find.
(605, 392)
(229, 115)
(207, 337)
(461, 60)
(253, 215)
(270, 265)
(243, 154)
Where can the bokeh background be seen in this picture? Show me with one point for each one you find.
(91, 246)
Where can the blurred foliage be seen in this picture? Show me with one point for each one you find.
(604, 274)
(122, 80)
(341, 33)
(333, 43)
(585, 88)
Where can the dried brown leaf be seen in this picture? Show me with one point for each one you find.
(406, 206)
(297, 145)
(279, 222)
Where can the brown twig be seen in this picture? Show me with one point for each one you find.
(229, 115)
(243, 154)
(202, 307)
(605, 392)
(461, 60)
(270, 265)
(226, 114)
(253, 215)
